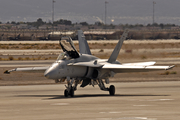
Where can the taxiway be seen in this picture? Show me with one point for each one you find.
(133, 101)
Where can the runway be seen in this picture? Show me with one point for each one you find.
(133, 101)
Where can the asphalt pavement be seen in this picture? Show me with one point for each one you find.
(133, 101)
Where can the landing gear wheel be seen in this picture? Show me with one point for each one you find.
(112, 90)
(71, 92)
(66, 93)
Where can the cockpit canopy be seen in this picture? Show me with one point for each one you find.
(68, 48)
(63, 56)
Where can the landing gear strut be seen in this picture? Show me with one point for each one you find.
(69, 91)
(111, 89)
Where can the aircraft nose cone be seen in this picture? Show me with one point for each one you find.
(51, 74)
(46, 74)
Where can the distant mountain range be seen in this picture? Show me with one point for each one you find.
(118, 11)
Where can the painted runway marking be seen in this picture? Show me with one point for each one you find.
(141, 118)
(166, 99)
(60, 104)
(142, 105)
(161, 100)
(113, 112)
(145, 118)
(136, 118)
(158, 100)
(103, 118)
(128, 118)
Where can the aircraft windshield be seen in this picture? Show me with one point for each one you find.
(63, 56)
(68, 47)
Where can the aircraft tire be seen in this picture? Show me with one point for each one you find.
(66, 93)
(71, 92)
(112, 90)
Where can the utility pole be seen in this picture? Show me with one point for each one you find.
(153, 17)
(153, 10)
(53, 16)
(105, 14)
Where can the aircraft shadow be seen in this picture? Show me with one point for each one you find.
(84, 96)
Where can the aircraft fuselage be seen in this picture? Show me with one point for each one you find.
(61, 68)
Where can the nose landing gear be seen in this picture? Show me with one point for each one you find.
(66, 93)
(69, 92)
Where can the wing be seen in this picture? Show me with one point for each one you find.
(133, 68)
(140, 64)
(41, 69)
(83, 45)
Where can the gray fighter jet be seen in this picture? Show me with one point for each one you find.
(85, 69)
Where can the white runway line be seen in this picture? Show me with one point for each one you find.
(142, 105)
(60, 104)
(161, 100)
(113, 112)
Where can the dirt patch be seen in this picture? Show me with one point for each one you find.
(132, 49)
(129, 44)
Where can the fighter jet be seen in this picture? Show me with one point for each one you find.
(85, 69)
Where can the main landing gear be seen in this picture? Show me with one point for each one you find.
(70, 88)
(111, 89)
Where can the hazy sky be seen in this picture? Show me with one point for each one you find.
(118, 11)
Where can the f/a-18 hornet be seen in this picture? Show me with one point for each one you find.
(85, 69)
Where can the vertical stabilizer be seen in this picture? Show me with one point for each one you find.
(116, 51)
(83, 45)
